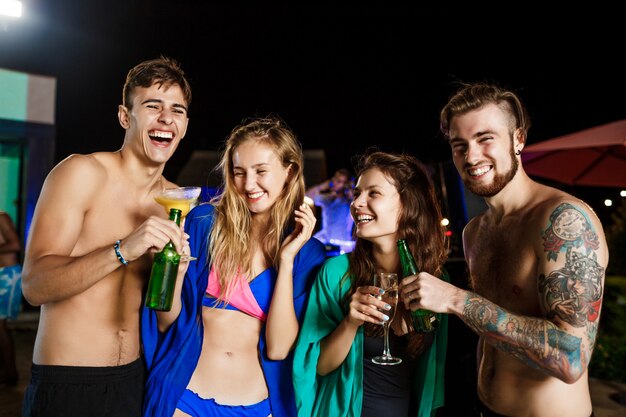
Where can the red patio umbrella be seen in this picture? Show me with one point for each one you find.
(594, 157)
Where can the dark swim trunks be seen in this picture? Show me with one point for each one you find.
(196, 406)
(69, 391)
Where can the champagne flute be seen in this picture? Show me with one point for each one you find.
(388, 281)
(181, 198)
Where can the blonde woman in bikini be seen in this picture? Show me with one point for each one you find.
(225, 347)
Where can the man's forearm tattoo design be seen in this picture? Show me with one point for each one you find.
(534, 341)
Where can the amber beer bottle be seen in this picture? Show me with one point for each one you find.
(163, 275)
(423, 320)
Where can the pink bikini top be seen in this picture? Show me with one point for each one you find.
(241, 297)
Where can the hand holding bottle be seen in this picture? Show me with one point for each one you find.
(426, 291)
(152, 236)
(423, 320)
(160, 292)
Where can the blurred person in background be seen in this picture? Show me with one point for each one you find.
(334, 196)
(10, 295)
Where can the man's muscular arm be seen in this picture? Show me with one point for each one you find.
(53, 268)
(570, 287)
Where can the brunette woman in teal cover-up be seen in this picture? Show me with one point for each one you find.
(333, 373)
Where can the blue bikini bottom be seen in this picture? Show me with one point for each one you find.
(196, 406)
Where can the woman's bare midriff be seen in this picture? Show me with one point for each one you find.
(229, 369)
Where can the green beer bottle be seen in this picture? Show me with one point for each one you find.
(163, 275)
(423, 320)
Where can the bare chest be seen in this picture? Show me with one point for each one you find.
(502, 266)
(112, 216)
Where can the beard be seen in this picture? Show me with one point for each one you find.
(499, 182)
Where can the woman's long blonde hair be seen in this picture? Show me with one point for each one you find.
(230, 245)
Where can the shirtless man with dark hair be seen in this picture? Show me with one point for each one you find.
(94, 230)
(537, 258)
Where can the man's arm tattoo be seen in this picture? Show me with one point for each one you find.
(536, 342)
(573, 293)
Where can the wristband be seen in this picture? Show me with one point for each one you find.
(119, 255)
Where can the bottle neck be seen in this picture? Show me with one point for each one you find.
(406, 259)
(175, 215)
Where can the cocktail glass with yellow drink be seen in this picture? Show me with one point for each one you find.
(181, 198)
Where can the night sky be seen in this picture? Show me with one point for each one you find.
(344, 77)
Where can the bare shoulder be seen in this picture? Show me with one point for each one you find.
(7, 228)
(5, 218)
(566, 221)
(565, 213)
(471, 228)
(81, 168)
(77, 179)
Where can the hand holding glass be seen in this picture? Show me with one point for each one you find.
(181, 198)
(388, 281)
